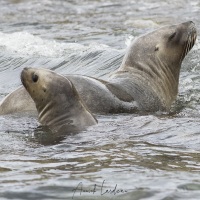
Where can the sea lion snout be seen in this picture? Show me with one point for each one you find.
(188, 27)
(189, 23)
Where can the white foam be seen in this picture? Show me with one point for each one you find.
(25, 43)
(129, 40)
(28, 44)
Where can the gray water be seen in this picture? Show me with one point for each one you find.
(125, 157)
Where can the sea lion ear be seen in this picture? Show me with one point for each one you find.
(157, 48)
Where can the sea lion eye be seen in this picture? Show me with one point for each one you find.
(35, 78)
(172, 36)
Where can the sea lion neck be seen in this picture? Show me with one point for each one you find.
(156, 77)
(65, 106)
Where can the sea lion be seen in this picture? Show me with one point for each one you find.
(151, 66)
(57, 101)
(147, 79)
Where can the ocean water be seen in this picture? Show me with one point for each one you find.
(125, 156)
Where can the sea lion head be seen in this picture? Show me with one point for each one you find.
(43, 85)
(169, 45)
(172, 43)
(155, 59)
(57, 101)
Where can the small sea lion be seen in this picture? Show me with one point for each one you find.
(58, 104)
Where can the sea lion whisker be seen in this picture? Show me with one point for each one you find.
(194, 39)
(188, 46)
(192, 42)
(184, 50)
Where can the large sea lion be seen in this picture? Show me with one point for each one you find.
(147, 79)
(57, 101)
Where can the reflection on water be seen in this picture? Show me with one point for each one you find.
(124, 156)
